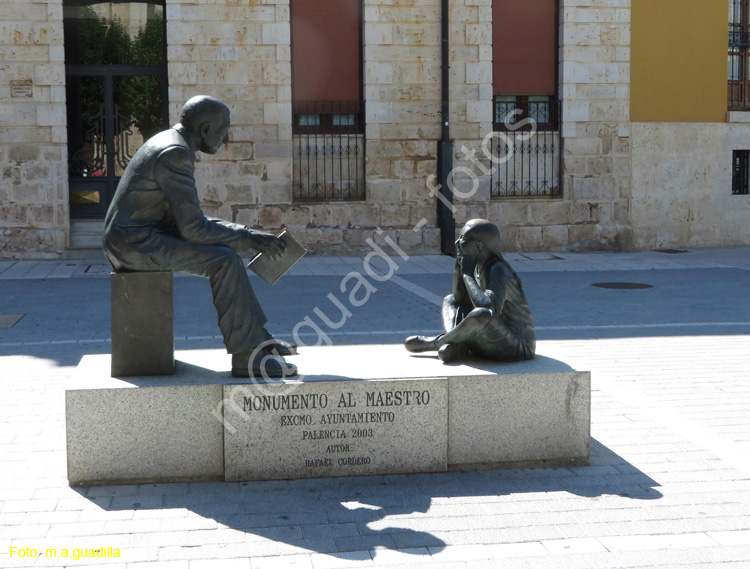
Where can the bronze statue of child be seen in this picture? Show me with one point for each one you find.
(487, 314)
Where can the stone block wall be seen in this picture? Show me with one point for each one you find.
(594, 40)
(682, 185)
(403, 92)
(33, 152)
(471, 106)
(595, 84)
(241, 54)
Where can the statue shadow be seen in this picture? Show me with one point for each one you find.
(191, 374)
(358, 518)
(538, 364)
(187, 373)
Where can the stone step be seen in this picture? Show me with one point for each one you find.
(85, 239)
(84, 253)
(87, 226)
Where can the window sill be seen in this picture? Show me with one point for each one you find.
(738, 116)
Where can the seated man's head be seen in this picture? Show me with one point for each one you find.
(207, 121)
(479, 238)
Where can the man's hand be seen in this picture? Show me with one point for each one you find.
(267, 243)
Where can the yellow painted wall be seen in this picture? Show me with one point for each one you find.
(679, 61)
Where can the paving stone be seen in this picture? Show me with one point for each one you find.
(282, 562)
(362, 542)
(342, 560)
(160, 565)
(312, 531)
(404, 557)
(295, 547)
(573, 545)
(460, 552)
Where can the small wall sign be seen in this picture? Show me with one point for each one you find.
(21, 88)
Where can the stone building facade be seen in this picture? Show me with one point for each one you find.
(34, 219)
(690, 133)
(614, 170)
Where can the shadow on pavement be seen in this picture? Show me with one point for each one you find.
(337, 516)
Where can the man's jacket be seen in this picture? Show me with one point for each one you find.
(157, 194)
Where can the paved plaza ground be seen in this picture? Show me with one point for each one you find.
(669, 480)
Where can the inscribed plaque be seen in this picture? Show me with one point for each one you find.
(320, 429)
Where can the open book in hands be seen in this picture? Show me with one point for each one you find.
(271, 270)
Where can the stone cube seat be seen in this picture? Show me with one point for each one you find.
(142, 324)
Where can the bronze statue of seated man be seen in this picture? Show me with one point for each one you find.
(487, 314)
(155, 223)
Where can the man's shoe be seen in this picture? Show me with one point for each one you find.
(282, 347)
(261, 363)
(418, 344)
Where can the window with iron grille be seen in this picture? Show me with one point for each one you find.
(738, 62)
(527, 115)
(740, 172)
(526, 112)
(329, 151)
(527, 146)
(328, 128)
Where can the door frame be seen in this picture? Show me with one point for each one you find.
(106, 185)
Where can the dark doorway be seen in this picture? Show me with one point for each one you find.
(116, 77)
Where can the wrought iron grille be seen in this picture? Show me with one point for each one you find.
(740, 172)
(329, 151)
(526, 148)
(91, 160)
(738, 62)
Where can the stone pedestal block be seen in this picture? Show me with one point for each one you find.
(519, 420)
(142, 324)
(356, 410)
(154, 434)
